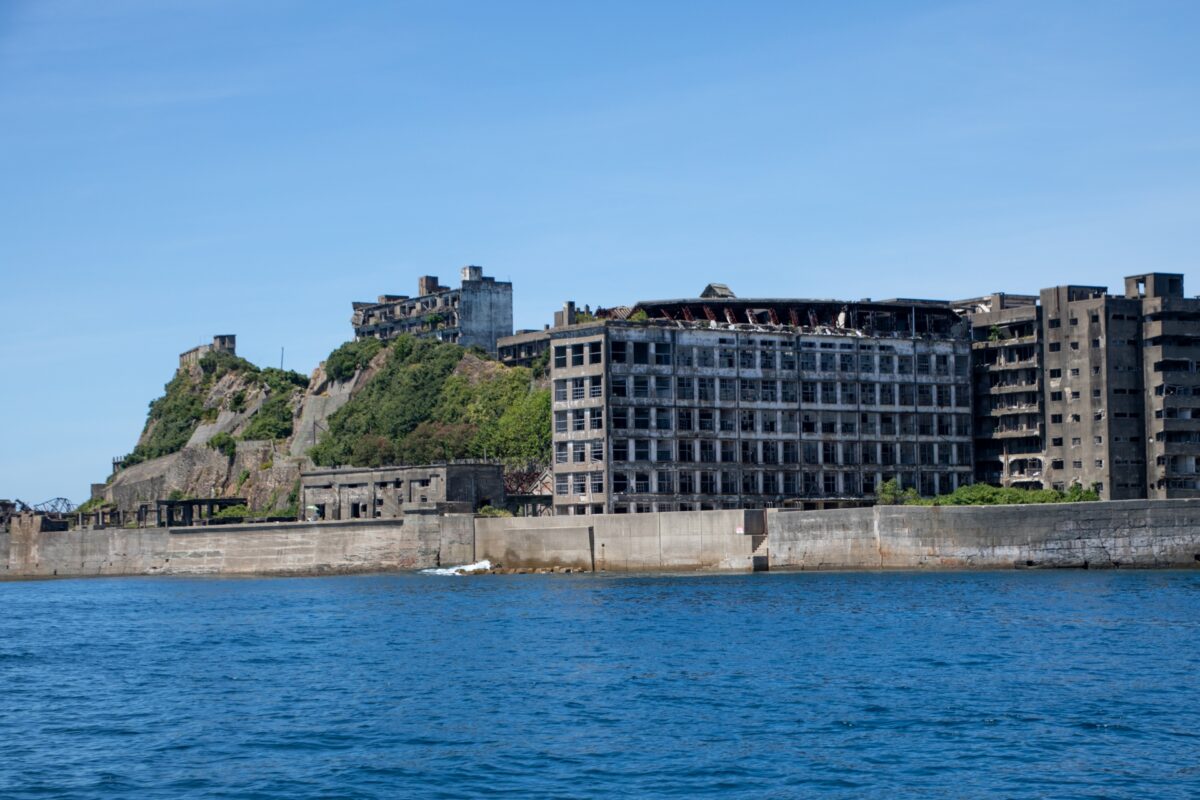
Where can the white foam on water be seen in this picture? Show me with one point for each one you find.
(485, 564)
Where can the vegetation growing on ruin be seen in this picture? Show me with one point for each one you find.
(982, 494)
(416, 409)
(351, 357)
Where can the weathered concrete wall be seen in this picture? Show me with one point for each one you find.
(534, 542)
(302, 548)
(678, 540)
(1134, 533)
(265, 549)
(681, 540)
(456, 539)
(33, 552)
(1131, 533)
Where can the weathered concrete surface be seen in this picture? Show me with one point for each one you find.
(535, 542)
(1130, 533)
(680, 540)
(1133, 533)
(33, 552)
(262, 549)
(456, 539)
(677, 540)
(301, 548)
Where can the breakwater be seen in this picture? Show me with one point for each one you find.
(1135, 533)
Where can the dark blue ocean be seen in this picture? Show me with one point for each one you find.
(1013, 685)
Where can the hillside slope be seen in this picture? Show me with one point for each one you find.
(226, 428)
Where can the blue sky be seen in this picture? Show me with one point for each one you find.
(173, 170)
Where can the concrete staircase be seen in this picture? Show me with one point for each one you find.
(760, 557)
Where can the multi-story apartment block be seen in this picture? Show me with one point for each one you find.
(1006, 350)
(477, 313)
(1079, 386)
(720, 402)
(1170, 350)
(1093, 391)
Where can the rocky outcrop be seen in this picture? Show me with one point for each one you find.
(264, 472)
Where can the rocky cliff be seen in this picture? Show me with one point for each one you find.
(226, 428)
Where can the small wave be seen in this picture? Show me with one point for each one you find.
(485, 564)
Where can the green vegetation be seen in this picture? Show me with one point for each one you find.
(243, 476)
(981, 494)
(639, 316)
(94, 504)
(273, 419)
(492, 511)
(232, 512)
(174, 417)
(351, 357)
(541, 365)
(417, 410)
(224, 443)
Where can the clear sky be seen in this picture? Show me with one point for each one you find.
(172, 170)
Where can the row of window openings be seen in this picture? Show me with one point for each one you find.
(769, 391)
(577, 388)
(1095, 317)
(1057, 397)
(1074, 372)
(1058, 464)
(579, 483)
(708, 451)
(1076, 441)
(1097, 416)
(1056, 347)
(746, 421)
(753, 421)
(832, 484)
(662, 354)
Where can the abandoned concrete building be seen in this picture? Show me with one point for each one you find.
(476, 314)
(719, 402)
(387, 492)
(527, 347)
(1079, 386)
(524, 348)
(226, 343)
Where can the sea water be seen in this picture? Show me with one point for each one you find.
(1005, 684)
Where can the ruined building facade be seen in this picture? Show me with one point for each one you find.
(720, 402)
(388, 492)
(221, 343)
(1079, 386)
(477, 313)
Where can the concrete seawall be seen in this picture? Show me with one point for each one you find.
(681, 540)
(1129, 533)
(261, 549)
(1136, 533)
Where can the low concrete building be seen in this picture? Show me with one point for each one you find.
(221, 343)
(387, 492)
(477, 313)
